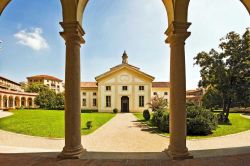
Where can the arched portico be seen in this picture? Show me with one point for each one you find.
(177, 33)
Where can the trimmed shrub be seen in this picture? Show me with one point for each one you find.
(115, 110)
(89, 124)
(164, 125)
(146, 115)
(88, 111)
(156, 118)
(200, 121)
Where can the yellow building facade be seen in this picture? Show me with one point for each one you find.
(124, 87)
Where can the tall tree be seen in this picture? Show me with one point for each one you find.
(228, 71)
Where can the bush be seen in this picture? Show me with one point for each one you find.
(88, 110)
(164, 125)
(89, 124)
(115, 110)
(146, 115)
(157, 116)
(200, 121)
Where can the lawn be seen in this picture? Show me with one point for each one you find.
(239, 124)
(48, 123)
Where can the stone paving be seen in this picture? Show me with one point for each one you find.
(5, 113)
(49, 159)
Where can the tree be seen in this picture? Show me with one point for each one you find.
(228, 71)
(47, 98)
(158, 103)
(211, 99)
(35, 87)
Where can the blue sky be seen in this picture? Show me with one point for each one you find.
(32, 45)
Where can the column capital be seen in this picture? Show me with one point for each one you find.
(177, 31)
(73, 31)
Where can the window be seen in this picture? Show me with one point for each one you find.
(141, 101)
(166, 93)
(108, 101)
(108, 88)
(94, 102)
(94, 93)
(141, 88)
(84, 93)
(84, 102)
(124, 88)
(155, 93)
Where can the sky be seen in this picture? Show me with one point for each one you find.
(30, 43)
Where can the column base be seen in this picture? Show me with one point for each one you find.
(179, 156)
(72, 153)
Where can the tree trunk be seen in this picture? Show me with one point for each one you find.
(227, 109)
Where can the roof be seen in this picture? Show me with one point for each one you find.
(194, 90)
(160, 84)
(9, 92)
(45, 77)
(88, 84)
(13, 82)
(121, 66)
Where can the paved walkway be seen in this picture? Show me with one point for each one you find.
(124, 135)
(5, 113)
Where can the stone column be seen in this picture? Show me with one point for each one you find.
(72, 34)
(177, 34)
(20, 102)
(1, 102)
(7, 102)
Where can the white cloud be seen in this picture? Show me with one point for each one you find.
(32, 38)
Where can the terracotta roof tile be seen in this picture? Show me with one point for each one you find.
(88, 84)
(45, 77)
(6, 79)
(160, 84)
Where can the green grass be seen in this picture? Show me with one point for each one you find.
(48, 123)
(239, 124)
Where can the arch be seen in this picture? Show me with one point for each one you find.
(5, 101)
(1, 101)
(73, 10)
(17, 102)
(124, 104)
(3, 4)
(246, 3)
(30, 102)
(11, 101)
(23, 102)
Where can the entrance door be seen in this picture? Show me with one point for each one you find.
(124, 104)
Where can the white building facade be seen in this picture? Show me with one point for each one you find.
(123, 87)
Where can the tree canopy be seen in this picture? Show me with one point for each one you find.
(227, 71)
(47, 98)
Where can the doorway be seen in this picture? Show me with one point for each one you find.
(125, 104)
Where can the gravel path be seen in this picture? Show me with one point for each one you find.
(124, 134)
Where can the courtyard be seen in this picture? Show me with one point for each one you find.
(120, 136)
